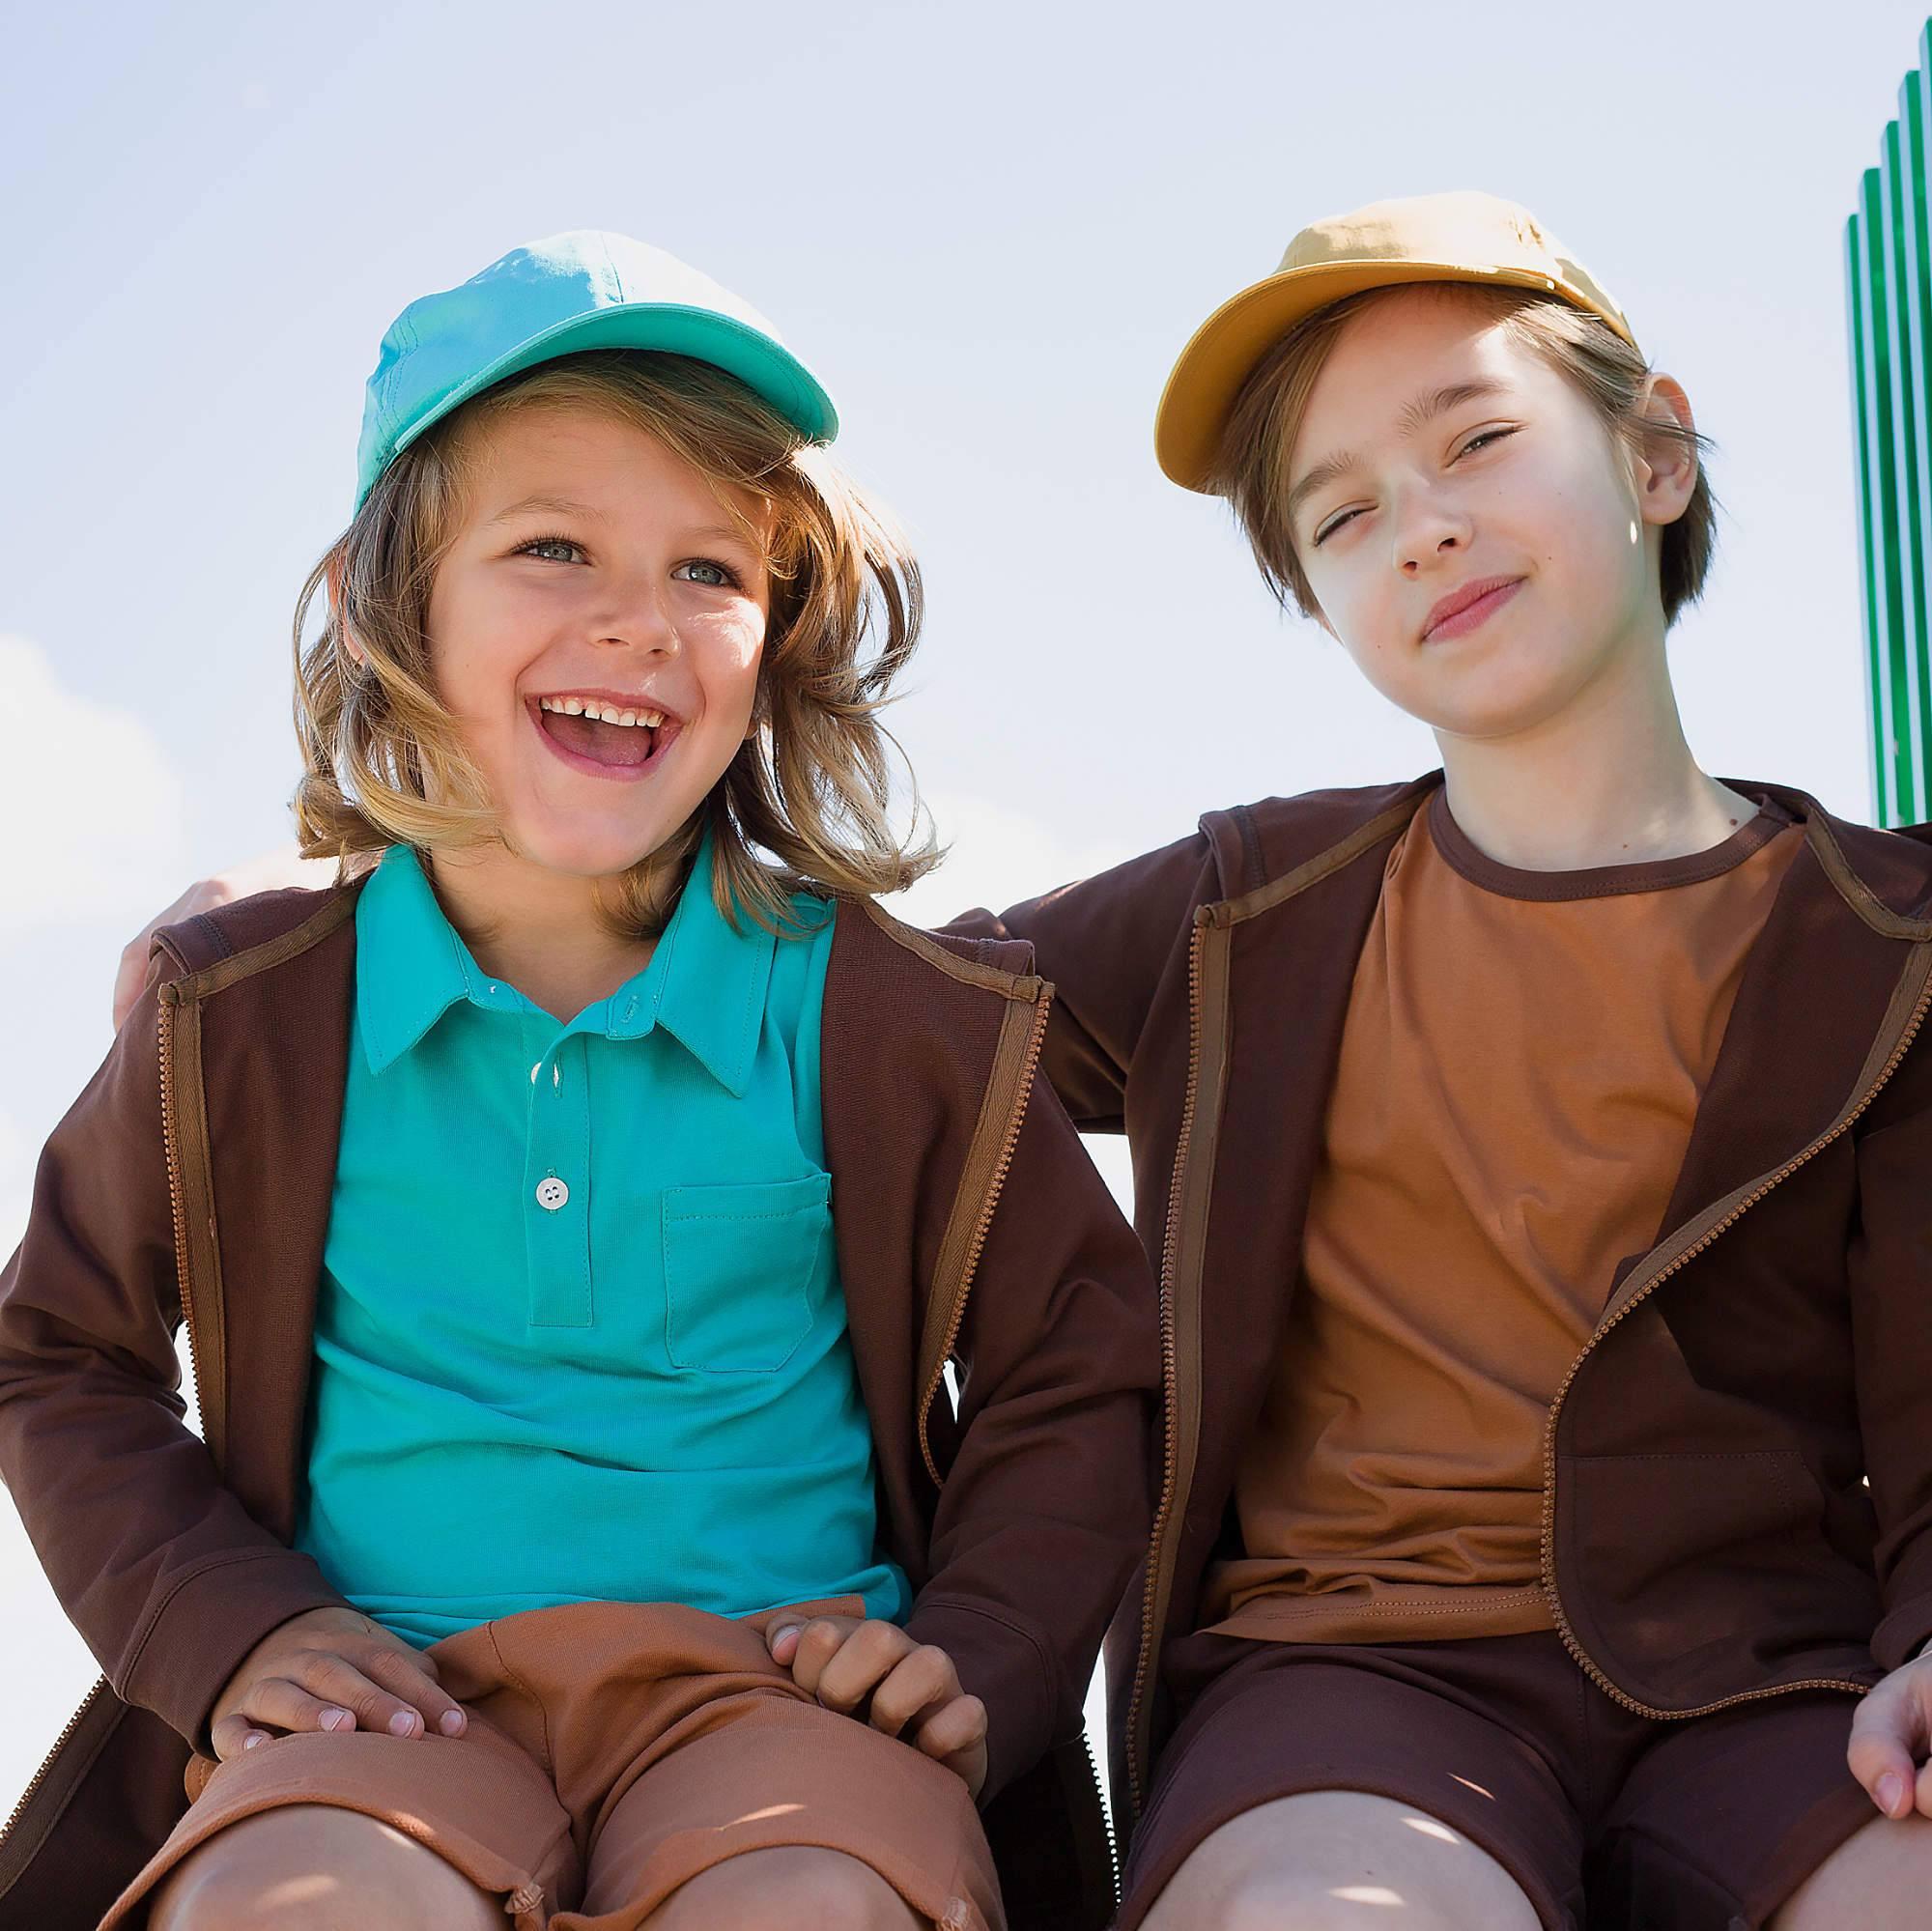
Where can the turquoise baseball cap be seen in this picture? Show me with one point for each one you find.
(584, 289)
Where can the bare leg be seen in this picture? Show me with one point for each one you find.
(789, 1888)
(1338, 1860)
(1878, 1880)
(315, 1867)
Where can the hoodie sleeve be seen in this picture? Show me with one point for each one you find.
(168, 1578)
(1045, 1505)
(1105, 943)
(1890, 1271)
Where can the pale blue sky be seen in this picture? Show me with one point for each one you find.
(990, 229)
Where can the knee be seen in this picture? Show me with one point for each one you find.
(213, 1891)
(1286, 1897)
(789, 1890)
(276, 1870)
(1291, 1900)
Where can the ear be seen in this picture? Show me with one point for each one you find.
(1666, 470)
(357, 656)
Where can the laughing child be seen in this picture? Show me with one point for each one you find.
(573, 1213)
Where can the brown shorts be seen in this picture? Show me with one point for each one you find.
(1707, 1824)
(614, 1751)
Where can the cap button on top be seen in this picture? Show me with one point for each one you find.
(552, 1193)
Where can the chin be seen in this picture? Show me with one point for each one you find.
(580, 857)
(1491, 703)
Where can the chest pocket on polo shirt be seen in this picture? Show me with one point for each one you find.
(739, 1263)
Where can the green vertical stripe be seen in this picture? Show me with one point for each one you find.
(1908, 624)
(1876, 704)
(1881, 493)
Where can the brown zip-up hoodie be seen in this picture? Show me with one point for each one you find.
(190, 1183)
(1708, 1535)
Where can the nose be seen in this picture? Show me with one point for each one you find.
(1424, 529)
(638, 617)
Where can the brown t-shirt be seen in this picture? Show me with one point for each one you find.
(1521, 1066)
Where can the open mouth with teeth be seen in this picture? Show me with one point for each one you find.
(606, 737)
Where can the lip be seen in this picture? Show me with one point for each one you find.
(625, 700)
(666, 735)
(1462, 611)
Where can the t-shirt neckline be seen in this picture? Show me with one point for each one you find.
(1608, 881)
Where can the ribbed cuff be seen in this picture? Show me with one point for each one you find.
(1905, 1630)
(1008, 1668)
(214, 1617)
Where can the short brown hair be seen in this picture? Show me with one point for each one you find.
(1251, 467)
(383, 763)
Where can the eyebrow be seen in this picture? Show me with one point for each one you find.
(553, 506)
(1417, 414)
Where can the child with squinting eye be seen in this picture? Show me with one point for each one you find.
(1537, 1157)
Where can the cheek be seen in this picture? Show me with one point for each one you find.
(476, 654)
(1579, 524)
(729, 654)
(1362, 605)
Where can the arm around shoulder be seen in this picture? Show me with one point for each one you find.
(1105, 943)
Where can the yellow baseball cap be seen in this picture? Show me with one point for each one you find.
(1462, 237)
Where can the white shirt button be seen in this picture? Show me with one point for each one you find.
(552, 1194)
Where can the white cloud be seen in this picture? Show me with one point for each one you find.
(92, 805)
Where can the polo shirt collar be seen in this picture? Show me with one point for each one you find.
(705, 984)
(410, 966)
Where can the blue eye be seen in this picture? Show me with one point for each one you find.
(537, 543)
(719, 577)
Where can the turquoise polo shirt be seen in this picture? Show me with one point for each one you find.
(581, 1335)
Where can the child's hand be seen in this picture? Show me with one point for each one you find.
(331, 1669)
(1890, 1731)
(914, 1689)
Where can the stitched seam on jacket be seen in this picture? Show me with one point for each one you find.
(226, 1560)
(1854, 891)
(1251, 847)
(1024, 987)
(216, 936)
(1345, 851)
(1049, 1663)
(299, 939)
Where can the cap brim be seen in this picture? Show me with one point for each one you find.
(701, 333)
(1225, 350)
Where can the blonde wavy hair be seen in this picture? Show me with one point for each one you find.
(383, 763)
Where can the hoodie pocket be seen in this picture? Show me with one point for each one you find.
(739, 1263)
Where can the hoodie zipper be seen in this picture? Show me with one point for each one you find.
(9, 1864)
(990, 1191)
(1585, 1661)
(1205, 917)
(171, 1153)
(1106, 1817)
(177, 1192)
(1169, 1374)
